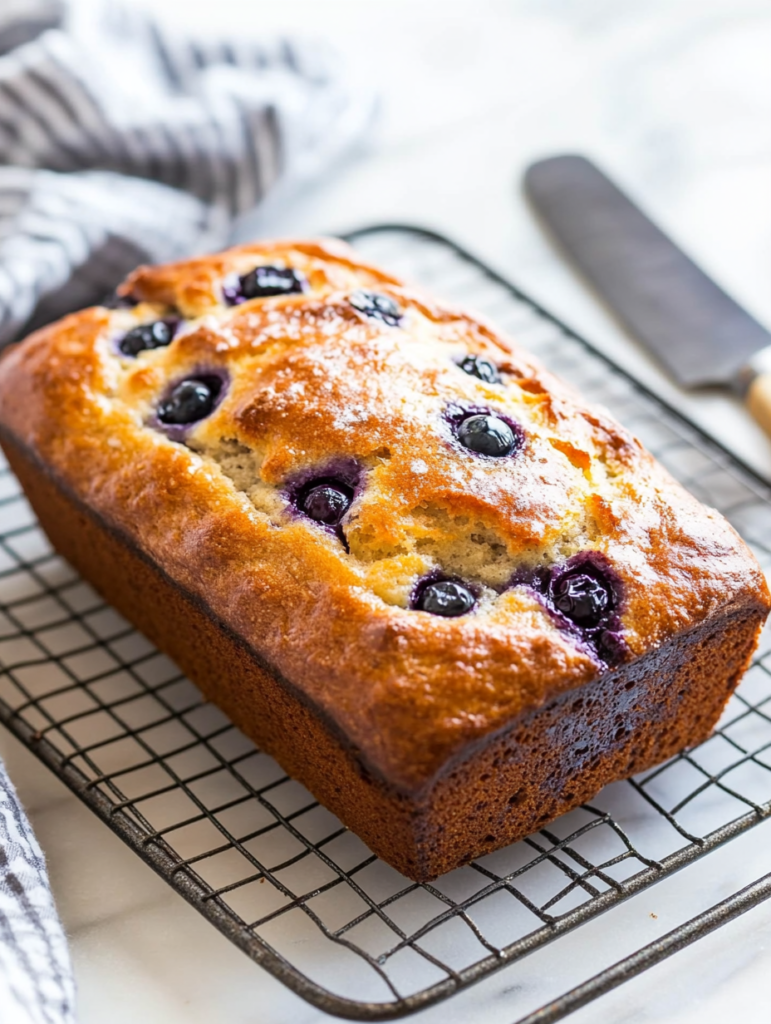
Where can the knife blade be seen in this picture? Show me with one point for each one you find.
(696, 330)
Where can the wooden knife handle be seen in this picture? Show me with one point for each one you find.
(759, 401)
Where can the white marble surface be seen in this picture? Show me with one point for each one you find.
(674, 98)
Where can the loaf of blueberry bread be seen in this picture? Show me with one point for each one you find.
(447, 595)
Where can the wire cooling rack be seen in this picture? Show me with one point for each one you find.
(271, 868)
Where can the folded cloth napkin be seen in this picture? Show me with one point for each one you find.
(122, 143)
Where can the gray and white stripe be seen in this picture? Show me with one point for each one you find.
(120, 143)
(36, 983)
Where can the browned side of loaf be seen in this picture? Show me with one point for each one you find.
(558, 757)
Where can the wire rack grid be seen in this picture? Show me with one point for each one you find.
(277, 873)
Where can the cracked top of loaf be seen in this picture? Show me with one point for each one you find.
(410, 521)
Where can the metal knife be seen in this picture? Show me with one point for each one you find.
(700, 334)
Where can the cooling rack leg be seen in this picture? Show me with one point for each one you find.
(708, 921)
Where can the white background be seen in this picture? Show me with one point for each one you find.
(674, 99)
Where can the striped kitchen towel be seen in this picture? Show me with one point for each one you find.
(36, 983)
(121, 143)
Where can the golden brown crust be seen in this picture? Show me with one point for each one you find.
(312, 380)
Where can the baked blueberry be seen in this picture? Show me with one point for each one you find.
(157, 334)
(190, 400)
(445, 597)
(377, 306)
(476, 366)
(326, 502)
(486, 434)
(582, 598)
(611, 646)
(264, 282)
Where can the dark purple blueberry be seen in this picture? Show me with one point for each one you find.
(264, 282)
(158, 334)
(611, 646)
(445, 597)
(326, 502)
(190, 400)
(582, 598)
(486, 434)
(476, 366)
(377, 306)
(585, 597)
